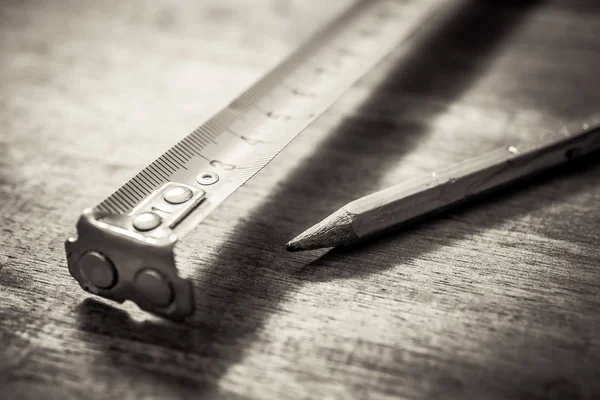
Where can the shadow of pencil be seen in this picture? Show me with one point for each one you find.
(252, 273)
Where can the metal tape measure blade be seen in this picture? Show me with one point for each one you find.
(232, 146)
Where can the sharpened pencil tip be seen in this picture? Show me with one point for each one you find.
(292, 246)
(332, 231)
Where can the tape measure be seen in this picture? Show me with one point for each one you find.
(124, 246)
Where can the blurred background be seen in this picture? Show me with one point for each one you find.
(498, 300)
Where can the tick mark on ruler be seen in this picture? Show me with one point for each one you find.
(272, 114)
(246, 139)
(285, 117)
(159, 210)
(250, 141)
(222, 165)
(302, 94)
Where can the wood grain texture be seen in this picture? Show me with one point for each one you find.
(496, 300)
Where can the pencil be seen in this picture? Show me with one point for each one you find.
(403, 203)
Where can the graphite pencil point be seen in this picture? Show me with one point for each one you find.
(334, 230)
(292, 245)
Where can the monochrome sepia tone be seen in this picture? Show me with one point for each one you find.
(409, 201)
(239, 124)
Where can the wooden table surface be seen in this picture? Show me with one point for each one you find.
(496, 300)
